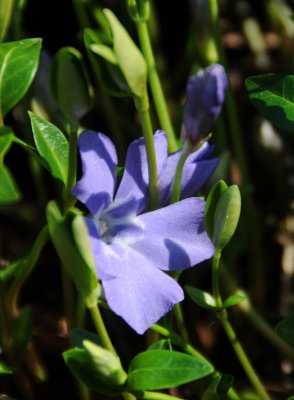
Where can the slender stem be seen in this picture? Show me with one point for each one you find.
(158, 396)
(100, 328)
(30, 263)
(180, 321)
(255, 318)
(176, 193)
(239, 351)
(155, 85)
(143, 110)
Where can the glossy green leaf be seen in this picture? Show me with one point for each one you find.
(211, 203)
(285, 329)
(226, 216)
(9, 192)
(233, 300)
(18, 65)
(201, 298)
(129, 57)
(79, 363)
(77, 336)
(163, 344)
(5, 369)
(70, 84)
(273, 96)
(160, 369)
(60, 232)
(52, 146)
(6, 7)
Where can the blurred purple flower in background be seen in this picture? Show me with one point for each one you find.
(130, 247)
(205, 97)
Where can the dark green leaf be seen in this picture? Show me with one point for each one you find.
(18, 65)
(6, 139)
(60, 231)
(9, 192)
(273, 96)
(79, 363)
(78, 335)
(226, 216)
(202, 299)
(211, 203)
(5, 369)
(285, 329)
(218, 388)
(160, 369)
(233, 300)
(70, 84)
(52, 146)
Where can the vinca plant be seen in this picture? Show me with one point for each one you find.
(135, 248)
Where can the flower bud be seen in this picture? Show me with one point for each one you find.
(105, 363)
(205, 97)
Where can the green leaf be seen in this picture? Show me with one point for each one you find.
(129, 57)
(77, 336)
(9, 192)
(211, 203)
(5, 369)
(273, 96)
(285, 329)
(233, 300)
(60, 232)
(80, 365)
(161, 369)
(163, 344)
(226, 216)
(52, 146)
(70, 84)
(218, 388)
(18, 65)
(202, 299)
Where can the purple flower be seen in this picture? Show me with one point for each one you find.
(205, 96)
(131, 249)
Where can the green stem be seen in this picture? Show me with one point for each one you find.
(229, 330)
(176, 193)
(255, 318)
(100, 328)
(69, 199)
(81, 311)
(128, 396)
(143, 110)
(155, 85)
(158, 396)
(180, 321)
(20, 279)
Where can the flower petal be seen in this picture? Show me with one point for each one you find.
(174, 236)
(135, 178)
(197, 170)
(141, 294)
(95, 188)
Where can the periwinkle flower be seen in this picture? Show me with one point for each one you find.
(131, 248)
(205, 96)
